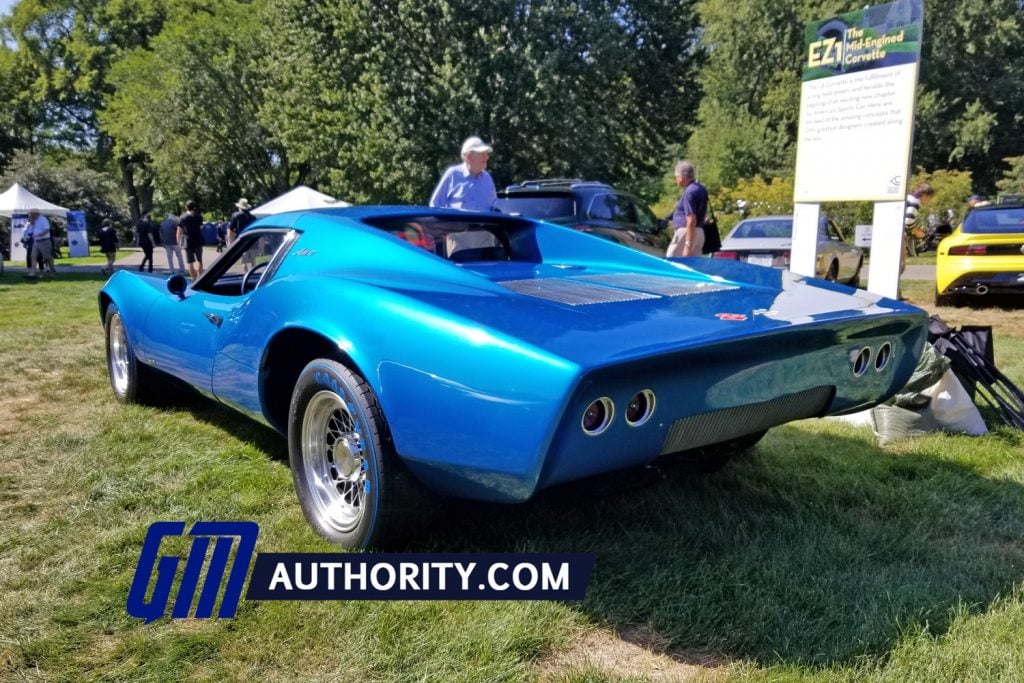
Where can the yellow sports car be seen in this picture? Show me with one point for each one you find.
(985, 254)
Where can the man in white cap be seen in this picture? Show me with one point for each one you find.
(467, 186)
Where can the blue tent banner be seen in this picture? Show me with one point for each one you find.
(78, 238)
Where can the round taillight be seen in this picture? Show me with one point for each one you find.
(640, 408)
(598, 416)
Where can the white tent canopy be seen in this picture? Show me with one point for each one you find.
(19, 200)
(298, 199)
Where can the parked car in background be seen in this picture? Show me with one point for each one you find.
(767, 241)
(588, 206)
(984, 254)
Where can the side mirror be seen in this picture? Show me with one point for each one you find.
(176, 285)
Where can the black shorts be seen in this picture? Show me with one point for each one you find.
(193, 254)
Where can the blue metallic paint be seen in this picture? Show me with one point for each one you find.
(482, 387)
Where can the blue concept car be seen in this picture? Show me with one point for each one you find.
(488, 356)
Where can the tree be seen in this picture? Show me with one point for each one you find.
(69, 47)
(1012, 181)
(560, 87)
(192, 101)
(969, 95)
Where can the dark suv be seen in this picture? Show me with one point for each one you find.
(588, 206)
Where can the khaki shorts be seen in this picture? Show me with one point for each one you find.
(675, 247)
(42, 249)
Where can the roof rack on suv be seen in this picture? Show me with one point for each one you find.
(554, 182)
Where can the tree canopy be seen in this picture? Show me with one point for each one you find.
(369, 100)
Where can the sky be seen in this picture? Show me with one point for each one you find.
(5, 6)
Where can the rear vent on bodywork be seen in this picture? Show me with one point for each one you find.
(722, 425)
(656, 284)
(572, 292)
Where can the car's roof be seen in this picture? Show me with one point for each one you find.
(769, 218)
(558, 184)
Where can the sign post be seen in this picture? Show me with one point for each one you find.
(857, 128)
(78, 239)
(19, 222)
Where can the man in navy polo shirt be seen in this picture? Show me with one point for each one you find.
(467, 186)
(689, 214)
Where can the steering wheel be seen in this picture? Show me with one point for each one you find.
(249, 273)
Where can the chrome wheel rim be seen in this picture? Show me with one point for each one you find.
(118, 355)
(334, 462)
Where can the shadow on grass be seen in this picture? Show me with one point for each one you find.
(262, 437)
(811, 550)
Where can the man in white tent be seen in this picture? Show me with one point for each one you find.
(42, 244)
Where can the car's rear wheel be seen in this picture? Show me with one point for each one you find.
(351, 485)
(131, 381)
(855, 280)
(947, 300)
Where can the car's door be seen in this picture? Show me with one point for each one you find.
(185, 334)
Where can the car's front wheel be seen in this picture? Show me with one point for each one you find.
(128, 378)
(351, 486)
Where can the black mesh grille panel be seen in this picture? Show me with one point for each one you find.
(721, 425)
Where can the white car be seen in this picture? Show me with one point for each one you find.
(767, 241)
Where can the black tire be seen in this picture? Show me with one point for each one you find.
(833, 272)
(710, 459)
(131, 381)
(855, 280)
(362, 496)
(952, 300)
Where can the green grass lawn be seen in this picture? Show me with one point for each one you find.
(819, 556)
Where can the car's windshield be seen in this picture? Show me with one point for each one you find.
(1008, 220)
(771, 229)
(545, 207)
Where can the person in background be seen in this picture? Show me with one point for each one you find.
(240, 220)
(169, 238)
(26, 241)
(144, 232)
(467, 186)
(976, 200)
(222, 235)
(41, 253)
(190, 231)
(912, 221)
(689, 214)
(108, 245)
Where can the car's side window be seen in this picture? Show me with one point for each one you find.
(612, 207)
(832, 232)
(645, 220)
(245, 264)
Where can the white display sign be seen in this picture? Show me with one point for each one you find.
(856, 128)
(855, 133)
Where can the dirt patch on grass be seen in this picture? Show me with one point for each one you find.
(633, 652)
